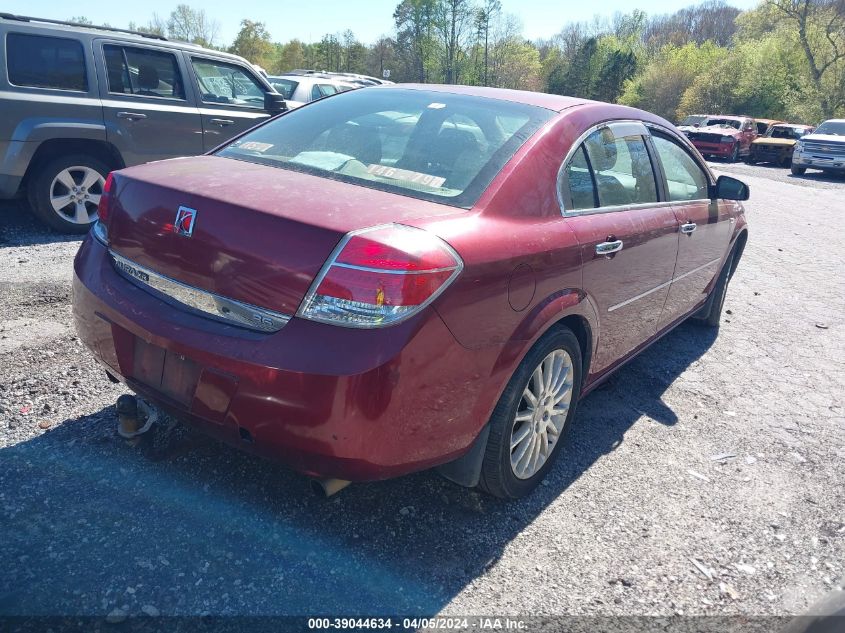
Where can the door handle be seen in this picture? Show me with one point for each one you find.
(132, 116)
(222, 122)
(689, 227)
(607, 248)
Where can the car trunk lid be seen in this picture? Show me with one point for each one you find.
(259, 234)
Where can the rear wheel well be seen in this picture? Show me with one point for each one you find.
(580, 327)
(48, 150)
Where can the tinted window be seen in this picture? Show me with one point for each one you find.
(45, 62)
(621, 167)
(226, 83)
(582, 189)
(685, 179)
(143, 72)
(429, 145)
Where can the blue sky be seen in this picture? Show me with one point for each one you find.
(309, 20)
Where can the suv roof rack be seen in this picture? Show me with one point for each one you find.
(25, 18)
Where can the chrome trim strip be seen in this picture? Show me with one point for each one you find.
(368, 269)
(209, 304)
(663, 285)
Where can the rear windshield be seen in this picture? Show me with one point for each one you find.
(429, 145)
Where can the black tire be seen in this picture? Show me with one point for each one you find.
(734, 157)
(42, 187)
(711, 313)
(750, 160)
(497, 475)
(797, 171)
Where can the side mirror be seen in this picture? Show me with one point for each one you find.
(728, 188)
(275, 103)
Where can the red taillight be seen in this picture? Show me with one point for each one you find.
(105, 200)
(380, 276)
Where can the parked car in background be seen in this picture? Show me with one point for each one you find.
(824, 149)
(299, 89)
(777, 145)
(79, 101)
(359, 80)
(406, 277)
(691, 122)
(763, 125)
(727, 137)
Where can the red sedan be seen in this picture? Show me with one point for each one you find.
(406, 277)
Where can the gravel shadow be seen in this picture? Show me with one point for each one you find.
(90, 524)
(18, 227)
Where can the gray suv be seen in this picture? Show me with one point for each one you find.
(79, 101)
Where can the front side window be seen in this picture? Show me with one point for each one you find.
(285, 87)
(621, 168)
(684, 178)
(428, 145)
(227, 84)
(143, 72)
(45, 62)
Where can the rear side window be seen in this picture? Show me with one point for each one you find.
(582, 187)
(46, 62)
(143, 72)
(621, 168)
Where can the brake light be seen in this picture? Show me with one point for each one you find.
(101, 228)
(104, 205)
(380, 276)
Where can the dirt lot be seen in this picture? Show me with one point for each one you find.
(708, 477)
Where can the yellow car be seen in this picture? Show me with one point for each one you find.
(778, 144)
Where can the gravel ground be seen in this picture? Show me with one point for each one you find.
(707, 477)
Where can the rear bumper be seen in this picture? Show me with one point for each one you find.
(324, 400)
(817, 161)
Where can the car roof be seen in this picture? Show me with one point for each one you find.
(556, 103)
(32, 24)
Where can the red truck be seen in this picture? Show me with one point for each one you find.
(727, 137)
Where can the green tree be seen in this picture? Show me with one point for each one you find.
(665, 79)
(192, 25)
(253, 43)
(818, 26)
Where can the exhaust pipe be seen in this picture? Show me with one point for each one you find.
(326, 487)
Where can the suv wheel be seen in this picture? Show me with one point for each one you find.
(65, 192)
(798, 171)
(531, 420)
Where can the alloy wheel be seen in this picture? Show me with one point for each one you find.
(75, 194)
(541, 414)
